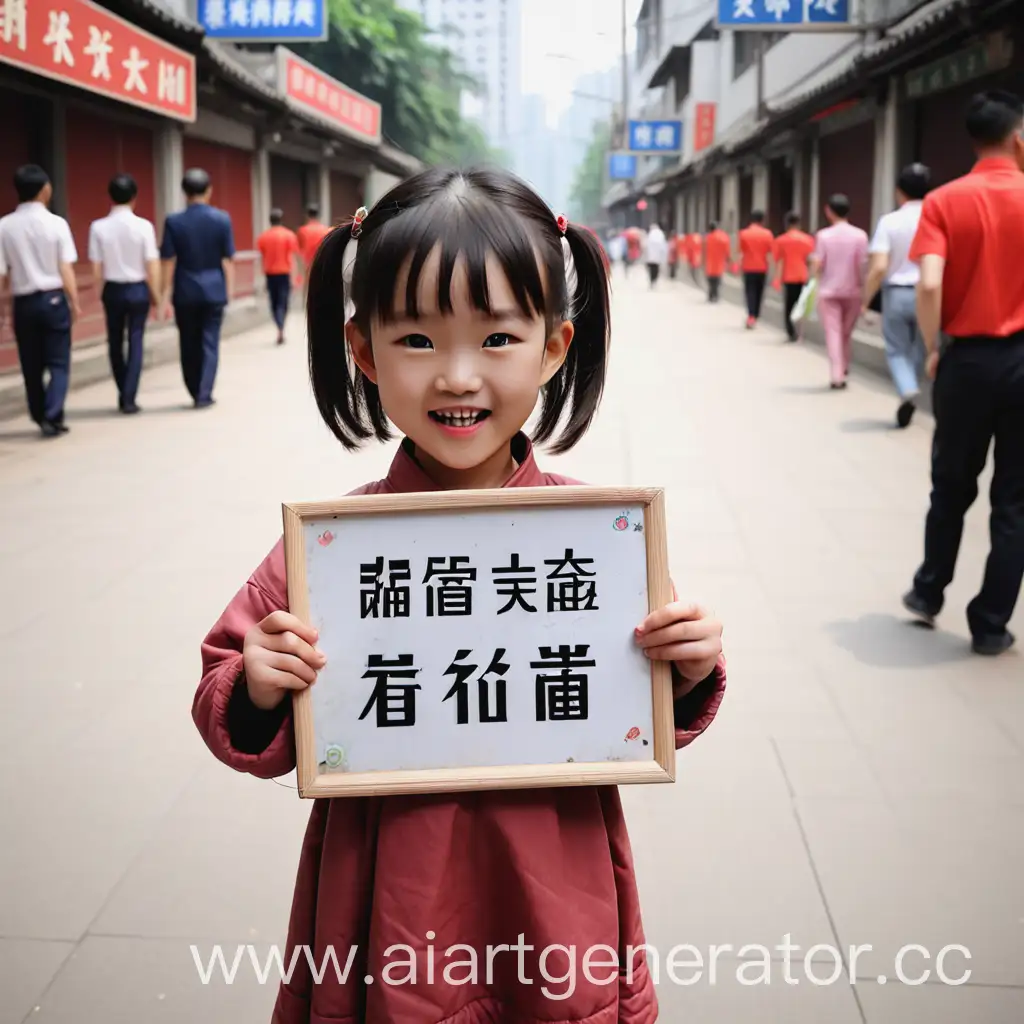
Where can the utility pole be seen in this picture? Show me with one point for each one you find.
(625, 80)
(760, 49)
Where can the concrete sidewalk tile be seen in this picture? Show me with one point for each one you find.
(887, 886)
(27, 966)
(827, 768)
(131, 980)
(937, 1003)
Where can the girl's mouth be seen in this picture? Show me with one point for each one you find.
(459, 420)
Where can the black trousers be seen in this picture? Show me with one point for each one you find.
(42, 329)
(714, 283)
(653, 270)
(792, 294)
(753, 286)
(126, 307)
(279, 287)
(978, 397)
(199, 334)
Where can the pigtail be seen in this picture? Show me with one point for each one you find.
(580, 382)
(349, 403)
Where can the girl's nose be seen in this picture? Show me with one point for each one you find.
(459, 377)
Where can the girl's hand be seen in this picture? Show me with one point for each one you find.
(277, 656)
(684, 634)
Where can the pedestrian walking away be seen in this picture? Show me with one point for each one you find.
(310, 235)
(839, 263)
(37, 265)
(197, 249)
(892, 270)
(968, 247)
(278, 247)
(756, 244)
(694, 245)
(460, 412)
(655, 253)
(717, 248)
(675, 247)
(791, 252)
(122, 248)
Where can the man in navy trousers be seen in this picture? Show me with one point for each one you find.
(197, 250)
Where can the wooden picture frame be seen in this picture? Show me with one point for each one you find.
(313, 784)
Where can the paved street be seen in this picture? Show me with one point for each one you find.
(863, 785)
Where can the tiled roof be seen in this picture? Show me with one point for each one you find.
(157, 16)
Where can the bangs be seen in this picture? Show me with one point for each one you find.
(447, 227)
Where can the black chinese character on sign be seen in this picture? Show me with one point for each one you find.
(394, 693)
(460, 688)
(561, 691)
(378, 597)
(569, 588)
(451, 594)
(514, 582)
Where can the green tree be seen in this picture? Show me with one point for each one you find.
(589, 181)
(383, 51)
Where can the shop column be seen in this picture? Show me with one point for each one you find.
(169, 169)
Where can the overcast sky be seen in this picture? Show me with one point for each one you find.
(586, 35)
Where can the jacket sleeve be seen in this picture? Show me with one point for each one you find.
(240, 734)
(696, 710)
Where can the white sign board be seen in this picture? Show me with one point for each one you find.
(480, 640)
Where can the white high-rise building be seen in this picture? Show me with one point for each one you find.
(486, 36)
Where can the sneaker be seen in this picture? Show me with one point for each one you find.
(49, 429)
(751, 322)
(919, 608)
(905, 413)
(993, 643)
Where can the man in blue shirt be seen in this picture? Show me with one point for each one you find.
(197, 250)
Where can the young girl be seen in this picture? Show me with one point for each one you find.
(467, 298)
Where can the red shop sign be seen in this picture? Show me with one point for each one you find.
(78, 42)
(703, 126)
(308, 87)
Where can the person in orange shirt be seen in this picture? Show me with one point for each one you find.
(675, 244)
(971, 288)
(756, 243)
(791, 253)
(310, 235)
(694, 244)
(717, 249)
(278, 247)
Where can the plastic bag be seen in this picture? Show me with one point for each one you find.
(805, 305)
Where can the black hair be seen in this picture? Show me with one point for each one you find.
(470, 214)
(29, 181)
(276, 216)
(196, 182)
(313, 210)
(914, 181)
(839, 204)
(993, 116)
(713, 225)
(792, 219)
(757, 217)
(122, 189)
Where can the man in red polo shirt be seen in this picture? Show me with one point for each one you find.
(278, 248)
(756, 244)
(968, 246)
(792, 251)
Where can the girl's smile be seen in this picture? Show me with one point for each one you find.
(460, 421)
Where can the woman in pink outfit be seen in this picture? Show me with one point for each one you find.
(840, 264)
(469, 300)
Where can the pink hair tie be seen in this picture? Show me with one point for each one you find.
(357, 221)
(562, 223)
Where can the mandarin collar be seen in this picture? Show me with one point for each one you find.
(406, 475)
(995, 163)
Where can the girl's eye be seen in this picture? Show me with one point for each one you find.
(420, 341)
(498, 340)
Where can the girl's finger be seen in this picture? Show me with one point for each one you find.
(679, 632)
(286, 680)
(687, 652)
(285, 622)
(290, 665)
(678, 611)
(291, 643)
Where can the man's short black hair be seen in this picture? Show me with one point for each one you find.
(914, 181)
(993, 117)
(122, 189)
(839, 204)
(276, 216)
(196, 182)
(757, 217)
(29, 181)
(792, 219)
(713, 225)
(313, 210)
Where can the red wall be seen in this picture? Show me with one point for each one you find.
(230, 172)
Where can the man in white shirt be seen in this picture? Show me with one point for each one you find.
(37, 258)
(122, 247)
(655, 252)
(892, 270)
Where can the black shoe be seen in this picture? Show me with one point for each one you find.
(49, 429)
(919, 608)
(993, 643)
(204, 403)
(841, 386)
(130, 409)
(905, 413)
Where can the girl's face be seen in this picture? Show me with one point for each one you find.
(460, 385)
